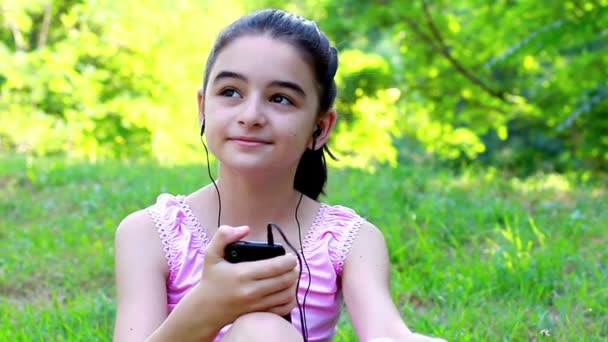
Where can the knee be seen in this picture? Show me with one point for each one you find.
(259, 322)
(261, 326)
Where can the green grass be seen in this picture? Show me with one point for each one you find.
(476, 256)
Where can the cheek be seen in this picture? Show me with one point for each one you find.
(213, 136)
(297, 137)
(297, 131)
(216, 119)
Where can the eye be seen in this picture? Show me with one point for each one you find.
(281, 99)
(229, 92)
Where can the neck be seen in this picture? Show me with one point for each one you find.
(255, 202)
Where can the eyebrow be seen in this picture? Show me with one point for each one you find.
(229, 74)
(289, 85)
(285, 84)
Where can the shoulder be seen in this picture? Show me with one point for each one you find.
(363, 234)
(135, 221)
(339, 226)
(143, 222)
(369, 240)
(140, 225)
(137, 239)
(368, 254)
(359, 236)
(139, 234)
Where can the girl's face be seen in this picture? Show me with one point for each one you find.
(260, 105)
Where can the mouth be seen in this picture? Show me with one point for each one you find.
(249, 141)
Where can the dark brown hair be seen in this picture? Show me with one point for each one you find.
(304, 35)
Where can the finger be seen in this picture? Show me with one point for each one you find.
(224, 236)
(270, 268)
(268, 286)
(284, 309)
(275, 299)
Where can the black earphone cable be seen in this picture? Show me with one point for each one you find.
(301, 308)
(305, 322)
(219, 199)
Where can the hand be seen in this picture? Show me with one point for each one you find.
(236, 289)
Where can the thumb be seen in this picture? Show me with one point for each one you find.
(223, 236)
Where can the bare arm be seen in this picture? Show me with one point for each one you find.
(369, 302)
(140, 271)
(225, 292)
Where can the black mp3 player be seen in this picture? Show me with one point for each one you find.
(243, 251)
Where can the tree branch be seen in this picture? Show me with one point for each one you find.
(17, 37)
(46, 23)
(438, 44)
(484, 106)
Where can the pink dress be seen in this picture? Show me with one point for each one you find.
(325, 247)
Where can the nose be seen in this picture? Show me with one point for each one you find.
(252, 114)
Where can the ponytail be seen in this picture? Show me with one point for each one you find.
(311, 174)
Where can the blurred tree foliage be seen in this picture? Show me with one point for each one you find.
(517, 84)
(105, 79)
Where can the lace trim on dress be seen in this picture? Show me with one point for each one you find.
(341, 222)
(311, 235)
(347, 243)
(167, 240)
(171, 217)
(193, 223)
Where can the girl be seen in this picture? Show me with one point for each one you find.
(266, 110)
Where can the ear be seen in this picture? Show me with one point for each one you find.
(200, 97)
(326, 122)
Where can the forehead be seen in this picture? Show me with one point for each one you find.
(261, 58)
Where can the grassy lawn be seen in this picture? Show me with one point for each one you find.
(476, 256)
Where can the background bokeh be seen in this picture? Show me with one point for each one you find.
(520, 85)
(473, 133)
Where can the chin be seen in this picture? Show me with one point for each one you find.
(249, 166)
(253, 166)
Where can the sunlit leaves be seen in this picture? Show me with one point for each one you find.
(119, 78)
(368, 111)
(441, 137)
(474, 69)
(514, 81)
(369, 139)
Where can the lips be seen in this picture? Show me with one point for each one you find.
(247, 140)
